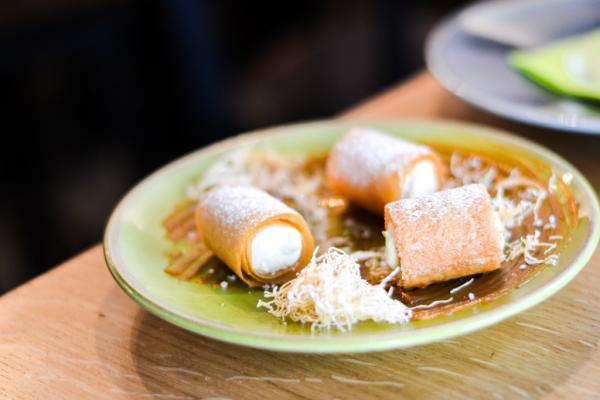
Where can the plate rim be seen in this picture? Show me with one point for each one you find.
(355, 344)
(469, 94)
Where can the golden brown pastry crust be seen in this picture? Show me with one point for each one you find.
(228, 218)
(445, 235)
(369, 167)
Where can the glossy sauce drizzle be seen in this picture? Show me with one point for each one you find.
(354, 229)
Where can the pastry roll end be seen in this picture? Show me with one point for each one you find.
(423, 174)
(275, 248)
(260, 238)
(372, 168)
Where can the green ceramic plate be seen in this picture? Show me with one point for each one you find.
(134, 246)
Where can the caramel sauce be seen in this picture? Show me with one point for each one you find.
(354, 229)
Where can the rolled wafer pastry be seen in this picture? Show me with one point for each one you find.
(373, 169)
(443, 236)
(260, 238)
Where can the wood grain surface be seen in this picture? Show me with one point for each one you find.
(73, 334)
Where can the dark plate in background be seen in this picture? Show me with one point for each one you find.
(475, 69)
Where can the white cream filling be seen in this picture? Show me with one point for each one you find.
(275, 248)
(421, 180)
(391, 254)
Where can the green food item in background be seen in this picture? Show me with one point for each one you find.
(570, 66)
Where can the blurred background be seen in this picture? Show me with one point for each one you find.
(99, 93)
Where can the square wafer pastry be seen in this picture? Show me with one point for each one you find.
(372, 169)
(443, 236)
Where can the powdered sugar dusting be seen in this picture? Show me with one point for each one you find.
(239, 206)
(452, 233)
(299, 182)
(363, 155)
(281, 175)
(438, 205)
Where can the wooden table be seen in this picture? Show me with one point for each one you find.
(72, 333)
